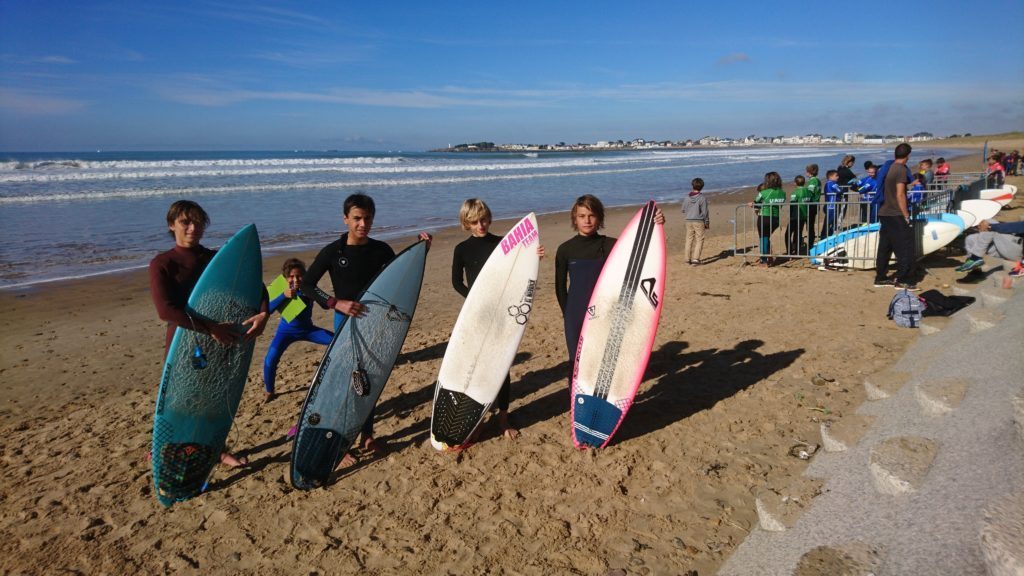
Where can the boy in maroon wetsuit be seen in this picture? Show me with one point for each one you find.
(174, 273)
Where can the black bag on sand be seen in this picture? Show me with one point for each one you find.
(938, 304)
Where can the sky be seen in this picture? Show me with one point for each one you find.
(198, 75)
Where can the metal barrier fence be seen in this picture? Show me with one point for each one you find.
(836, 233)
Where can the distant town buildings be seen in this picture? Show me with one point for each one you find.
(848, 138)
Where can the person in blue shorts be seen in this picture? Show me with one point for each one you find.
(300, 328)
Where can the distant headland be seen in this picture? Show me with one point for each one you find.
(847, 139)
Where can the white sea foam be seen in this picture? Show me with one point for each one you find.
(80, 170)
(136, 193)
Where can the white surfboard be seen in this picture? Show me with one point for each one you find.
(857, 248)
(982, 209)
(486, 337)
(939, 231)
(618, 331)
(1001, 195)
(969, 218)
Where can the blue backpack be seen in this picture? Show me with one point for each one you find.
(906, 309)
(879, 197)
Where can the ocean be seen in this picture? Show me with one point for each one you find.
(73, 215)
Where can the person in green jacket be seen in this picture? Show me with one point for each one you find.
(814, 189)
(767, 204)
(798, 205)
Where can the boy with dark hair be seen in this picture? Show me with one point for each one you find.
(868, 191)
(814, 196)
(352, 262)
(798, 200)
(833, 196)
(995, 176)
(698, 219)
(172, 277)
(941, 171)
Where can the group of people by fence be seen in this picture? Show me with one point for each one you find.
(819, 210)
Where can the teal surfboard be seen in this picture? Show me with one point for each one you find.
(202, 381)
(354, 369)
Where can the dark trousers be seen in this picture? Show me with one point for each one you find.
(504, 394)
(795, 232)
(831, 223)
(895, 236)
(812, 222)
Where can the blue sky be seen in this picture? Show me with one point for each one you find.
(416, 75)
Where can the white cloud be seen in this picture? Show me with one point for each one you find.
(24, 102)
(55, 59)
(733, 59)
(206, 91)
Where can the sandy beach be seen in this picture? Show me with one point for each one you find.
(748, 362)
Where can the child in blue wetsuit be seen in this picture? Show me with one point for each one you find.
(833, 196)
(300, 328)
(868, 190)
(915, 195)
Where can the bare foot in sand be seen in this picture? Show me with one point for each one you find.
(507, 429)
(268, 396)
(346, 461)
(370, 444)
(232, 462)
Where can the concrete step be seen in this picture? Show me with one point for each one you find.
(846, 433)
(993, 296)
(899, 465)
(854, 559)
(964, 289)
(1002, 278)
(931, 325)
(940, 397)
(779, 505)
(882, 385)
(982, 319)
(1002, 536)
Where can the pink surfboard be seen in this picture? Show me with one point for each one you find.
(618, 331)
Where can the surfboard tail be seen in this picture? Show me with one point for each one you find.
(319, 450)
(455, 417)
(594, 421)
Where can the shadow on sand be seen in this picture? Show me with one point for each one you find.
(689, 382)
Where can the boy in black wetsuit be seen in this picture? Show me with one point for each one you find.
(172, 277)
(352, 262)
(468, 259)
(578, 263)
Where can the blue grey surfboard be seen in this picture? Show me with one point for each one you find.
(354, 369)
(202, 381)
